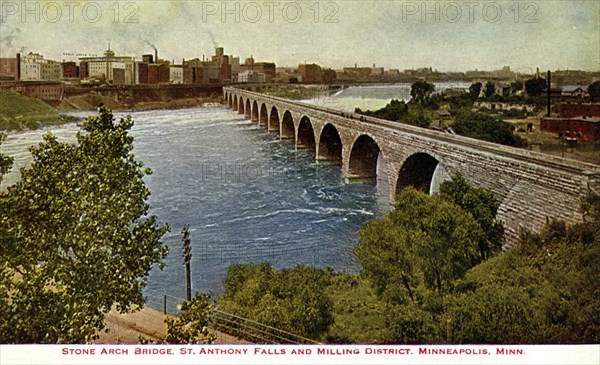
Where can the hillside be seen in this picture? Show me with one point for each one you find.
(18, 112)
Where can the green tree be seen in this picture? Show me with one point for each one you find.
(292, 299)
(411, 323)
(482, 205)
(535, 86)
(594, 90)
(75, 236)
(392, 111)
(424, 237)
(492, 314)
(191, 327)
(421, 90)
(416, 117)
(516, 86)
(475, 90)
(489, 90)
(486, 128)
(399, 111)
(544, 290)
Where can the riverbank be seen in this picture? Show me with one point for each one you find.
(20, 113)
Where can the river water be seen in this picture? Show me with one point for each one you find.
(247, 196)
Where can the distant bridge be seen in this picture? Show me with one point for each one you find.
(530, 187)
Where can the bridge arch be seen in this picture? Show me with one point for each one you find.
(287, 126)
(247, 110)
(254, 116)
(417, 171)
(264, 118)
(235, 103)
(330, 144)
(274, 121)
(363, 158)
(230, 100)
(306, 134)
(241, 106)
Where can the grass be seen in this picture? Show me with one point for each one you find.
(18, 112)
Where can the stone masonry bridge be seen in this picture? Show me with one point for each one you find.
(530, 187)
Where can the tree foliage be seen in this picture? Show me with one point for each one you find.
(545, 290)
(415, 117)
(475, 90)
(425, 238)
(75, 236)
(516, 86)
(490, 89)
(482, 205)
(191, 327)
(421, 90)
(535, 86)
(392, 111)
(399, 111)
(486, 128)
(292, 299)
(594, 90)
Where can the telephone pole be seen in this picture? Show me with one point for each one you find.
(187, 256)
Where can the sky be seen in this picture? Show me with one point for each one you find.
(444, 35)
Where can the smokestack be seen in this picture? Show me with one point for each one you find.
(155, 55)
(549, 82)
(18, 73)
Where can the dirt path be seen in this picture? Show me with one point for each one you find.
(148, 322)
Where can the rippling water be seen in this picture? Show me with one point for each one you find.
(247, 196)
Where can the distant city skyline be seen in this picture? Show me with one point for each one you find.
(444, 35)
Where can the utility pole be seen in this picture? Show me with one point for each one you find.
(549, 91)
(187, 256)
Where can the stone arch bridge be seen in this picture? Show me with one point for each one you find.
(530, 187)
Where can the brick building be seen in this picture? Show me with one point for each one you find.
(40, 90)
(581, 121)
(69, 70)
(310, 74)
(202, 72)
(9, 68)
(573, 110)
(583, 128)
